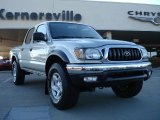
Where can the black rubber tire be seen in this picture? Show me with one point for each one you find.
(19, 76)
(69, 94)
(128, 90)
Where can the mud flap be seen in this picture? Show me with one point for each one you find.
(46, 87)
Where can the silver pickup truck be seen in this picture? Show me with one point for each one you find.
(75, 58)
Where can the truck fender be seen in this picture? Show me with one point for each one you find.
(60, 54)
(15, 56)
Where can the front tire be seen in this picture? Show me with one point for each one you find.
(128, 90)
(63, 95)
(18, 74)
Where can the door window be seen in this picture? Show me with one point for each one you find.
(42, 29)
(29, 36)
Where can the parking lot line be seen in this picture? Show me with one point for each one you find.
(7, 80)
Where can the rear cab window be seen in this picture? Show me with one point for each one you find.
(29, 35)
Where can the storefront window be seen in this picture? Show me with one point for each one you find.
(154, 56)
(9, 38)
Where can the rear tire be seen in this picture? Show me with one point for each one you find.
(63, 95)
(18, 74)
(128, 90)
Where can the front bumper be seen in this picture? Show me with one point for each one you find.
(109, 72)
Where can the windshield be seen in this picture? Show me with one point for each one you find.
(72, 30)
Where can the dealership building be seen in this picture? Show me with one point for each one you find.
(139, 23)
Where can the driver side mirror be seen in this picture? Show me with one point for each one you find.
(38, 36)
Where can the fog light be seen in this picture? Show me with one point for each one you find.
(150, 73)
(90, 79)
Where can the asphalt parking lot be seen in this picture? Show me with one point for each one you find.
(28, 102)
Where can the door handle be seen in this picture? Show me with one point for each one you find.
(30, 49)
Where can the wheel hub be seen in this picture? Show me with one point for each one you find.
(56, 87)
(14, 72)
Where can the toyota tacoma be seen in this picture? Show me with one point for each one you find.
(75, 58)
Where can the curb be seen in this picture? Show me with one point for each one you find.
(156, 68)
(5, 71)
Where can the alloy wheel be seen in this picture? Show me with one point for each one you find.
(56, 87)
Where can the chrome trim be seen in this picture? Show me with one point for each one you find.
(107, 47)
(122, 46)
(76, 68)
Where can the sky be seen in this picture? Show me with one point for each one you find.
(157, 2)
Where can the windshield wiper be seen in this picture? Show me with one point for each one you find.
(86, 37)
(59, 37)
(89, 37)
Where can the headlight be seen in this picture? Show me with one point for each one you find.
(88, 54)
(79, 53)
(92, 54)
(144, 53)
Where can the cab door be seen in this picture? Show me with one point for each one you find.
(25, 50)
(39, 50)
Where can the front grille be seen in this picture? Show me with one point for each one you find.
(124, 54)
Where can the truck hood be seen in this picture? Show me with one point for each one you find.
(92, 42)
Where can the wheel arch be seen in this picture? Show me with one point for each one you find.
(14, 58)
(56, 57)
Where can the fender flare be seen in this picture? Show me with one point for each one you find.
(60, 54)
(16, 57)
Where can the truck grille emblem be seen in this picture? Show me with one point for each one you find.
(127, 53)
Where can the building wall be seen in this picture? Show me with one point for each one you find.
(100, 15)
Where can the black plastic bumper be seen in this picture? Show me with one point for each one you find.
(108, 74)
